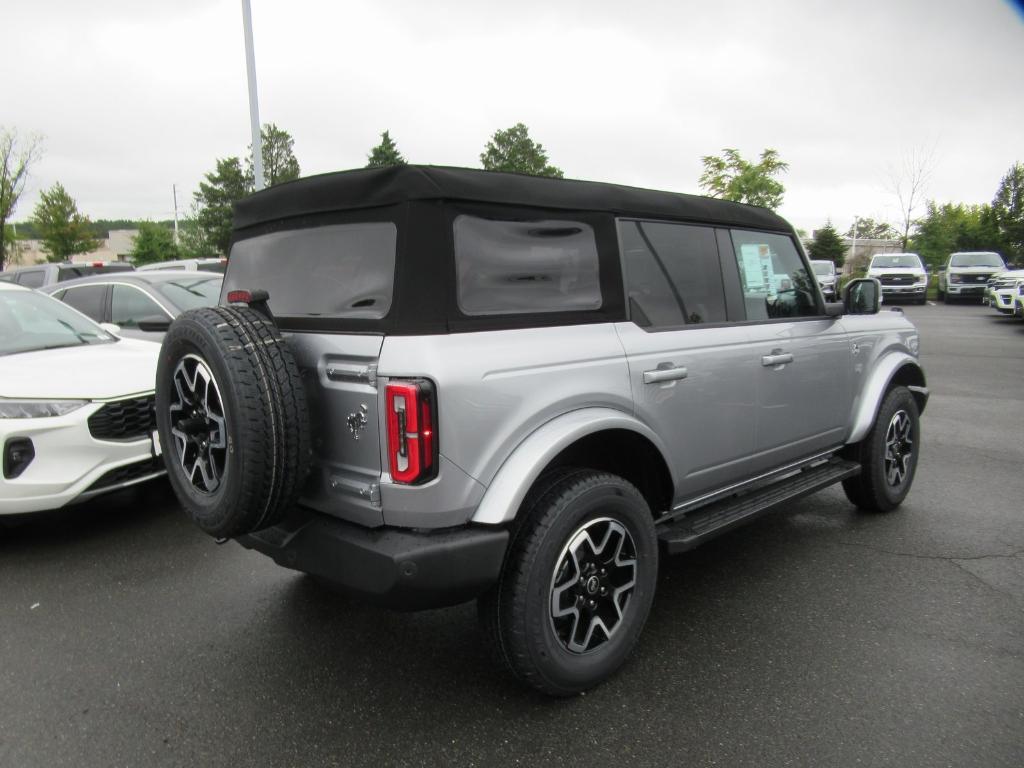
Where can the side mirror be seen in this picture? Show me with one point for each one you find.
(834, 308)
(155, 324)
(863, 296)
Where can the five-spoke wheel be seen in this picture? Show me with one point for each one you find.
(198, 424)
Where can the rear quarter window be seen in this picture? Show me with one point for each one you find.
(525, 267)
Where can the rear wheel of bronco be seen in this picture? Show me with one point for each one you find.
(887, 454)
(232, 417)
(577, 583)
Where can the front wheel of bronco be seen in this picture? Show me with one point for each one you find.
(577, 583)
(888, 455)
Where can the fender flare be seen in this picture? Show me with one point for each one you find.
(871, 398)
(524, 465)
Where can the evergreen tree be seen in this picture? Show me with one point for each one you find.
(63, 230)
(827, 245)
(214, 200)
(279, 162)
(155, 242)
(384, 154)
(1008, 212)
(513, 151)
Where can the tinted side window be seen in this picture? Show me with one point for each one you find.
(32, 279)
(775, 281)
(673, 275)
(87, 299)
(128, 305)
(523, 267)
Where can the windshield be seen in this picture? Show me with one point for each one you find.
(976, 260)
(192, 292)
(30, 321)
(896, 260)
(823, 268)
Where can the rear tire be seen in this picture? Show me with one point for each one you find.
(233, 421)
(577, 584)
(888, 455)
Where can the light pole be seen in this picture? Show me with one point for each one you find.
(254, 107)
(853, 245)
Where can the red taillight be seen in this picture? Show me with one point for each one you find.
(97, 264)
(412, 443)
(239, 297)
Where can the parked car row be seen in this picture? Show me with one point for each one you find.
(77, 416)
(41, 275)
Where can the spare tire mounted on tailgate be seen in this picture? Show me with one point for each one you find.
(233, 421)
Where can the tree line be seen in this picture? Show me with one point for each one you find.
(206, 229)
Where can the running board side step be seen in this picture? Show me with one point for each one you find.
(718, 517)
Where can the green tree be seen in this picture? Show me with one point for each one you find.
(1008, 212)
(951, 227)
(513, 151)
(827, 245)
(384, 154)
(155, 242)
(730, 177)
(222, 189)
(279, 163)
(16, 158)
(63, 230)
(192, 240)
(869, 229)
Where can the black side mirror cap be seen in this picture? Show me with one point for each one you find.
(834, 309)
(155, 324)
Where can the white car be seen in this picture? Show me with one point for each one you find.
(902, 276)
(1002, 288)
(76, 405)
(965, 274)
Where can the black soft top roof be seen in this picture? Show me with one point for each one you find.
(375, 187)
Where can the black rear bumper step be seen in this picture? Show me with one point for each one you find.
(707, 522)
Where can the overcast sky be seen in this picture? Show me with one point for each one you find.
(134, 96)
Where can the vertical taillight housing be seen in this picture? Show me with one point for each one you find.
(411, 419)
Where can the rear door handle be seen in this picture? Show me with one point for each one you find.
(777, 359)
(664, 372)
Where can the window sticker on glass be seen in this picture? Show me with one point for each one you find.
(758, 271)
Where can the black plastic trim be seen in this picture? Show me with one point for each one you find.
(396, 567)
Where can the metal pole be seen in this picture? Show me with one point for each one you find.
(853, 245)
(254, 107)
(174, 191)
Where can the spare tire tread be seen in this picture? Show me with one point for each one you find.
(269, 442)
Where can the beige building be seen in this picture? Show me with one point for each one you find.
(115, 247)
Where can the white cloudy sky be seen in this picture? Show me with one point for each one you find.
(133, 96)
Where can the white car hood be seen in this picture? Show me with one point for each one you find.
(87, 372)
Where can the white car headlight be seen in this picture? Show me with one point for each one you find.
(37, 409)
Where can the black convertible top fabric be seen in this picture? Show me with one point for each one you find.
(375, 187)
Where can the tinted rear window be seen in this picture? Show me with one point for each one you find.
(71, 272)
(33, 279)
(525, 267)
(342, 270)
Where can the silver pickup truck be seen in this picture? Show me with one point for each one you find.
(432, 385)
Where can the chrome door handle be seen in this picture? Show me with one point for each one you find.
(778, 359)
(668, 373)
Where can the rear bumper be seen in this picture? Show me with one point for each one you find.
(397, 567)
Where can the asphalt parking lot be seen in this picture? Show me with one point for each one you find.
(818, 636)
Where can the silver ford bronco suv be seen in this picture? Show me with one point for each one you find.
(432, 385)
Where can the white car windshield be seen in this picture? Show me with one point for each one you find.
(896, 260)
(976, 260)
(30, 321)
(822, 268)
